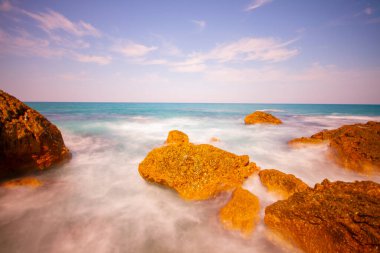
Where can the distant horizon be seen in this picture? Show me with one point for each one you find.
(217, 51)
(131, 102)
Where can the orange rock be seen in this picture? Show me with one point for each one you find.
(281, 183)
(259, 117)
(332, 217)
(241, 212)
(214, 139)
(28, 140)
(176, 136)
(196, 172)
(299, 142)
(26, 182)
(356, 147)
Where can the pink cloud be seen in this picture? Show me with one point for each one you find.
(52, 20)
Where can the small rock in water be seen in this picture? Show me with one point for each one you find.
(241, 212)
(260, 117)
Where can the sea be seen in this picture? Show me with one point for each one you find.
(97, 201)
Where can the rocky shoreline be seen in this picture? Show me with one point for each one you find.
(329, 217)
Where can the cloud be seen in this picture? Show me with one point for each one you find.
(52, 20)
(24, 44)
(132, 49)
(5, 6)
(256, 4)
(249, 49)
(101, 60)
(200, 23)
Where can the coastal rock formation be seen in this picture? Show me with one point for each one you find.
(241, 212)
(176, 136)
(28, 140)
(196, 172)
(281, 183)
(22, 182)
(260, 117)
(214, 139)
(332, 217)
(355, 147)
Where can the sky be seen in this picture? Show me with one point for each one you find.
(230, 51)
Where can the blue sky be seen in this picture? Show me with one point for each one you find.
(256, 51)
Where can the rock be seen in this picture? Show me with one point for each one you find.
(241, 212)
(196, 172)
(281, 183)
(176, 136)
(356, 147)
(259, 117)
(28, 140)
(332, 217)
(214, 139)
(25, 182)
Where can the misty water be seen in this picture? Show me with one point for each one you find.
(97, 202)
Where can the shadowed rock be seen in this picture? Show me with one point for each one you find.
(196, 172)
(28, 140)
(281, 183)
(260, 117)
(356, 147)
(332, 217)
(241, 212)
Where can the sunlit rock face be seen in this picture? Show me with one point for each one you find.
(176, 136)
(283, 184)
(28, 140)
(259, 117)
(332, 217)
(196, 172)
(356, 147)
(30, 182)
(241, 213)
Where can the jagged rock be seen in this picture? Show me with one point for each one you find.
(356, 147)
(260, 117)
(176, 136)
(241, 212)
(28, 140)
(281, 183)
(332, 217)
(196, 172)
(24, 182)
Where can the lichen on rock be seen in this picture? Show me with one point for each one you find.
(281, 183)
(332, 217)
(260, 117)
(241, 212)
(28, 140)
(196, 172)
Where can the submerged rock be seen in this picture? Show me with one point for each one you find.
(332, 217)
(28, 140)
(241, 212)
(260, 117)
(281, 183)
(196, 172)
(176, 136)
(356, 147)
(22, 182)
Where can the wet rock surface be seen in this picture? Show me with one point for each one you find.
(241, 212)
(332, 217)
(260, 117)
(356, 147)
(281, 183)
(196, 172)
(28, 140)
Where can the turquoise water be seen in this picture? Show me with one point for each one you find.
(97, 202)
